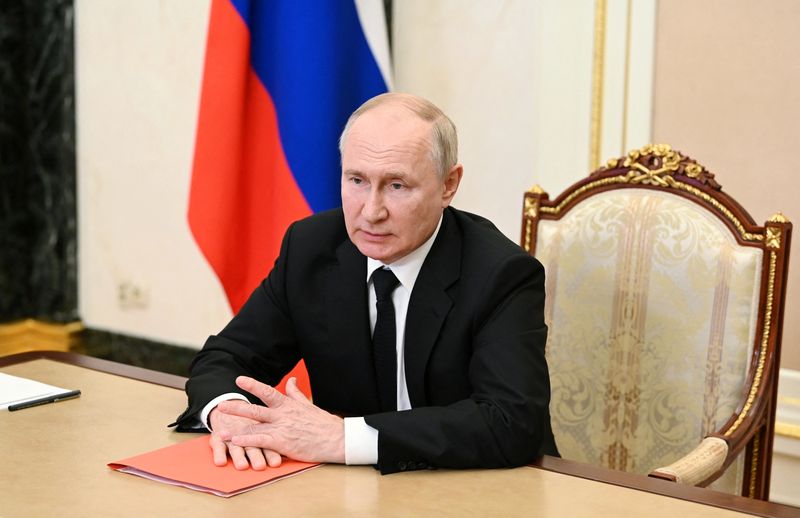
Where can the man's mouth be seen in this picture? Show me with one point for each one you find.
(375, 236)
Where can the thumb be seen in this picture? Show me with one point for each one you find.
(293, 392)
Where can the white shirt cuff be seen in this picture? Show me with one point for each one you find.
(360, 442)
(216, 401)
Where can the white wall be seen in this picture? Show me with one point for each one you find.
(516, 78)
(138, 72)
(484, 64)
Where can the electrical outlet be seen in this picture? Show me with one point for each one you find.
(132, 296)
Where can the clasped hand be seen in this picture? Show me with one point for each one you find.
(290, 425)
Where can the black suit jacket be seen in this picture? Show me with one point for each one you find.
(474, 344)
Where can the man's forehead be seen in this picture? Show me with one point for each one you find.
(390, 141)
(392, 117)
(386, 134)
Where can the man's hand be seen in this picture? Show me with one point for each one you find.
(291, 425)
(242, 457)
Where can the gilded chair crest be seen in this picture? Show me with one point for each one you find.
(665, 308)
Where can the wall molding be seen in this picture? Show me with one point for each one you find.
(787, 415)
(598, 74)
(623, 64)
(787, 430)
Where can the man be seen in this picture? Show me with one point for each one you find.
(458, 307)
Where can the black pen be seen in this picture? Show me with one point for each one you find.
(44, 400)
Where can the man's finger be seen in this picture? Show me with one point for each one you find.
(245, 409)
(274, 459)
(261, 440)
(295, 393)
(238, 457)
(246, 431)
(262, 391)
(219, 450)
(256, 456)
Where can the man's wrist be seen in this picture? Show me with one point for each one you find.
(360, 442)
(211, 405)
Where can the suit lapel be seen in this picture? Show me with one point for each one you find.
(346, 300)
(429, 306)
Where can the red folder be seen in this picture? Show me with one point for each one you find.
(189, 464)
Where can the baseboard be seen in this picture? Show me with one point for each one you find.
(140, 352)
(36, 335)
(786, 449)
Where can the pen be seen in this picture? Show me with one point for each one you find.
(43, 400)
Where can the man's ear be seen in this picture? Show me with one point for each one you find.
(451, 182)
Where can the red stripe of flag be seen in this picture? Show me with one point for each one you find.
(243, 195)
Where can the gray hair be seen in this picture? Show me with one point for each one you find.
(444, 139)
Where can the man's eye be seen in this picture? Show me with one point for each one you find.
(356, 181)
(396, 186)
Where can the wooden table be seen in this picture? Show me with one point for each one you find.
(53, 463)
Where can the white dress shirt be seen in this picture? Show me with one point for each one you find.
(360, 439)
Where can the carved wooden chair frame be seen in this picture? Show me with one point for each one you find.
(659, 167)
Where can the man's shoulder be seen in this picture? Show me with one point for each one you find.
(479, 235)
(324, 225)
(315, 236)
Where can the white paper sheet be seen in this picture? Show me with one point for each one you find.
(14, 389)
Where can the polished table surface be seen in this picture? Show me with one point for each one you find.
(53, 463)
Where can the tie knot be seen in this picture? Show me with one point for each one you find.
(385, 282)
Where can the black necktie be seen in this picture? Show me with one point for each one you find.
(384, 338)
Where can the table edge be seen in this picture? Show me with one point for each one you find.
(666, 488)
(98, 364)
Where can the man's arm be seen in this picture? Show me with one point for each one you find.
(258, 342)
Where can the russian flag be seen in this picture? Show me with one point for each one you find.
(281, 78)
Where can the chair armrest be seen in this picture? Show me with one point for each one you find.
(697, 467)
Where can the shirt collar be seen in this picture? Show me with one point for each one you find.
(407, 268)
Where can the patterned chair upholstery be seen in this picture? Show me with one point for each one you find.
(665, 308)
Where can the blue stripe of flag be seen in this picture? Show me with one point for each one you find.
(314, 60)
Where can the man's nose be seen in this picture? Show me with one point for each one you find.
(374, 208)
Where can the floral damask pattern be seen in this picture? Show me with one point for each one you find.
(652, 308)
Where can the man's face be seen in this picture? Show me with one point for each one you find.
(392, 195)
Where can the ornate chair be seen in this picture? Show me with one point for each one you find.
(665, 308)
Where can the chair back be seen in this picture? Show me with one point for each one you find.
(665, 304)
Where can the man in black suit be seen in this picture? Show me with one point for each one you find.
(459, 307)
